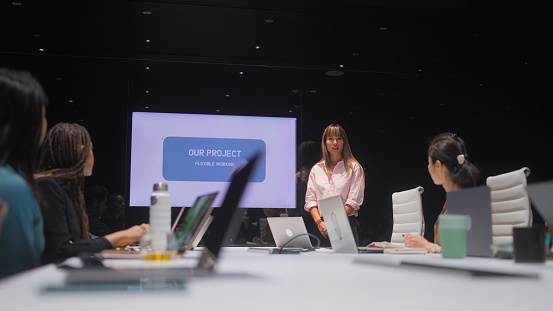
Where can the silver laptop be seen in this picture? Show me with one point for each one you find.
(285, 229)
(338, 227)
(476, 203)
(541, 195)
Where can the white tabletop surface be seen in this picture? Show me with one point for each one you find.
(310, 281)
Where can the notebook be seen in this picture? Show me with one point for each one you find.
(286, 228)
(474, 202)
(541, 195)
(213, 243)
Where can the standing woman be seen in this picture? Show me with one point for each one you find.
(22, 129)
(338, 173)
(66, 158)
(450, 168)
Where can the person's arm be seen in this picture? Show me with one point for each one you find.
(356, 193)
(417, 241)
(125, 237)
(314, 211)
(311, 192)
(61, 226)
(349, 209)
(311, 204)
(22, 234)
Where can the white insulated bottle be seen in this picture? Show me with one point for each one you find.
(160, 216)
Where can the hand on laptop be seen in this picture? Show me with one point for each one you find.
(125, 237)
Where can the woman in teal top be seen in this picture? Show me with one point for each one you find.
(22, 130)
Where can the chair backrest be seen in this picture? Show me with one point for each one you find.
(510, 204)
(408, 215)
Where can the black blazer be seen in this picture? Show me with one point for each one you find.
(61, 224)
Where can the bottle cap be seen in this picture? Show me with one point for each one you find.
(160, 186)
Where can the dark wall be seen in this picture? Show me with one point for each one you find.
(478, 70)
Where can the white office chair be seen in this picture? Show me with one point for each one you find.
(510, 204)
(408, 216)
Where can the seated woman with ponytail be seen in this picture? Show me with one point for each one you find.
(66, 158)
(449, 167)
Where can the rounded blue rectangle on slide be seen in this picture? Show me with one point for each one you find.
(210, 159)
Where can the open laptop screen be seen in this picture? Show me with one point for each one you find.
(194, 220)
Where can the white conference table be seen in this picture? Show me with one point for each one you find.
(310, 281)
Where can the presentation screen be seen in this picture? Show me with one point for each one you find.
(197, 154)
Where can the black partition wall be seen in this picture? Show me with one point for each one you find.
(393, 73)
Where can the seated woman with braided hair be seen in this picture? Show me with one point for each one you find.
(450, 168)
(66, 158)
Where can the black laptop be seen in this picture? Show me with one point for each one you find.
(476, 204)
(541, 196)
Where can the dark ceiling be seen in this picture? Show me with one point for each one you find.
(407, 70)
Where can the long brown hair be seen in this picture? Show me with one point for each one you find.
(337, 130)
(61, 156)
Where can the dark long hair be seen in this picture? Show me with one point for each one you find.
(451, 150)
(61, 156)
(21, 102)
(308, 155)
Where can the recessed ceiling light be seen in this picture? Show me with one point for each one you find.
(341, 66)
(241, 73)
(147, 68)
(334, 73)
(290, 111)
(16, 3)
(257, 47)
(146, 107)
(41, 50)
(269, 21)
(147, 12)
(218, 110)
(382, 28)
(147, 92)
(148, 40)
(227, 95)
(70, 100)
(420, 70)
